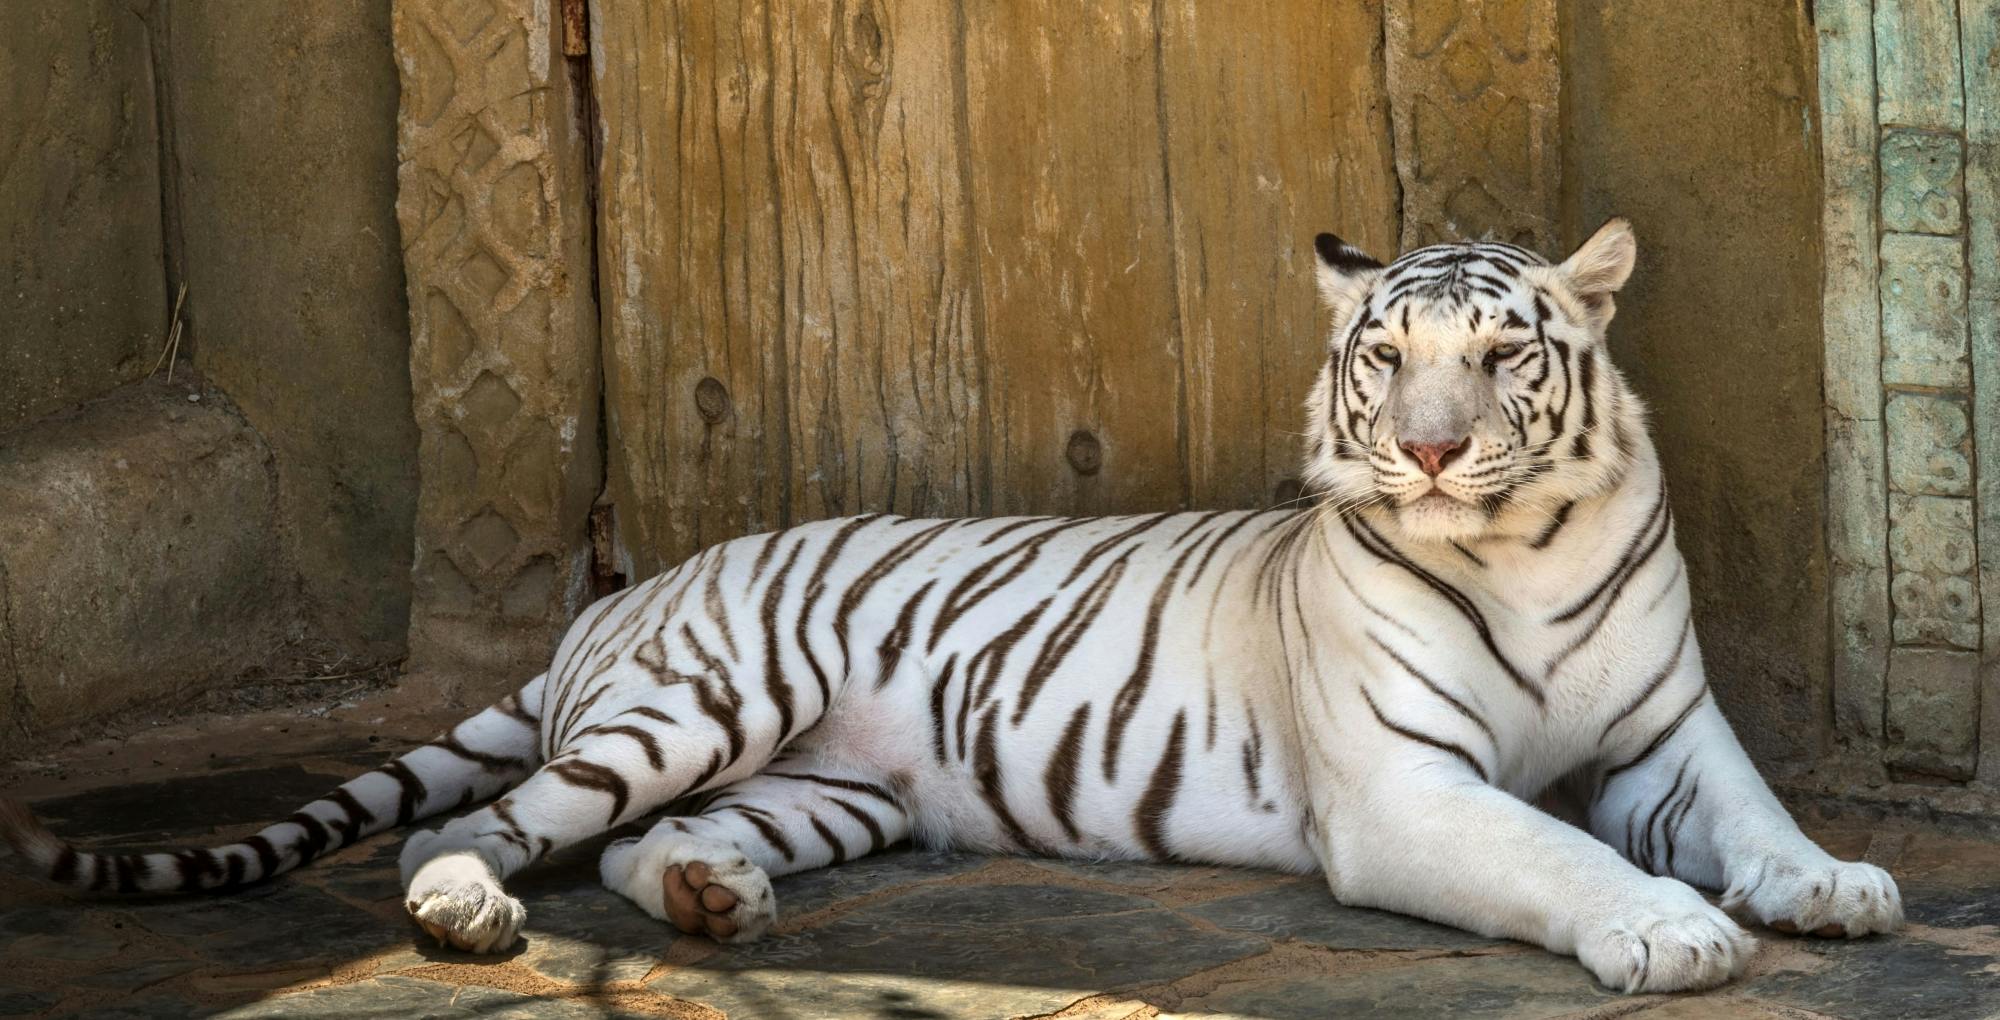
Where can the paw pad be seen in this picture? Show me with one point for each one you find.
(695, 903)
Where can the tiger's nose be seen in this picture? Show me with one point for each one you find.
(1433, 457)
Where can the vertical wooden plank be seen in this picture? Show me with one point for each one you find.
(690, 275)
(1857, 536)
(1276, 128)
(1085, 390)
(876, 253)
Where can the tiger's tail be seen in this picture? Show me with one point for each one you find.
(476, 759)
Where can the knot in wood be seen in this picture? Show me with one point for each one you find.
(711, 399)
(1086, 455)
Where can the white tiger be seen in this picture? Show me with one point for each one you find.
(1485, 602)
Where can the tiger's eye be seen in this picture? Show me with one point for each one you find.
(1387, 352)
(1506, 350)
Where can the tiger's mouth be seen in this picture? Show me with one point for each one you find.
(1434, 498)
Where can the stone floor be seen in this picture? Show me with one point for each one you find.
(904, 935)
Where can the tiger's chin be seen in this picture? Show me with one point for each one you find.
(1438, 517)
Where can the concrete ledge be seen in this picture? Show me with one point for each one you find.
(138, 556)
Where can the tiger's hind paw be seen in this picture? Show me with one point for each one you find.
(699, 887)
(456, 899)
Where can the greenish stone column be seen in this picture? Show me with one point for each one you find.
(1913, 177)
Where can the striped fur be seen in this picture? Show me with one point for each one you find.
(1372, 687)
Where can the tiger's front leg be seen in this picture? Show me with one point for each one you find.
(1427, 837)
(1681, 798)
(711, 874)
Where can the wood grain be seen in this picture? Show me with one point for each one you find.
(1277, 128)
(942, 257)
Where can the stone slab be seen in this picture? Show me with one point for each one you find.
(496, 235)
(1931, 550)
(959, 950)
(1473, 99)
(137, 559)
(1933, 710)
(1509, 987)
(1309, 913)
(1888, 979)
(1923, 311)
(1923, 179)
(1930, 444)
(1916, 62)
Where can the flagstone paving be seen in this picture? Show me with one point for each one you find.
(906, 935)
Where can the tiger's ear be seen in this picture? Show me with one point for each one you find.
(1599, 267)
(1344, 273)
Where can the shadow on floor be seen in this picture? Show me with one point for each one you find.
(901, 936)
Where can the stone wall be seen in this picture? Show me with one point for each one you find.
(81, 278)
(1704, 138)
(282, 119)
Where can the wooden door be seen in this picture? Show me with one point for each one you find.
(944, 257)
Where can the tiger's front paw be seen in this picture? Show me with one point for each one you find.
(1828, 897)
(1671, 941)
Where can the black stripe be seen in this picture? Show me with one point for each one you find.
(64, 870)
(491, 762)
(1618, 569)
(592, 776)
(986, 768)
(1060, 776)
(413, 793)
(1652, 683)
(356, 818)
(1380, 547)
(876, 838)
(645, 740)
(937, 708)
(758, 819)
(816, 590)
(1065, 635)
(1151, 816)
(1126, 703)
(725, 708)
(1653, 819)
(1659, 739)
(775, 686)
(1423, 738)
(1555, 524)
(832, 841)
(852, 785)
(267, 856)
(1092, 554)
(312, 842)
(1456, 704)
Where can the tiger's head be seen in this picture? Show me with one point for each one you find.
(1467, 390)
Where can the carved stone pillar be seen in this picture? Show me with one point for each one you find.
(497, 240)
(1473, 89)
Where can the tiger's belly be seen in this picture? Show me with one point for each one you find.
(1185, 779)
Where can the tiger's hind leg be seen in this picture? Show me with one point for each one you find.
(630, 764)
(711, 874)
